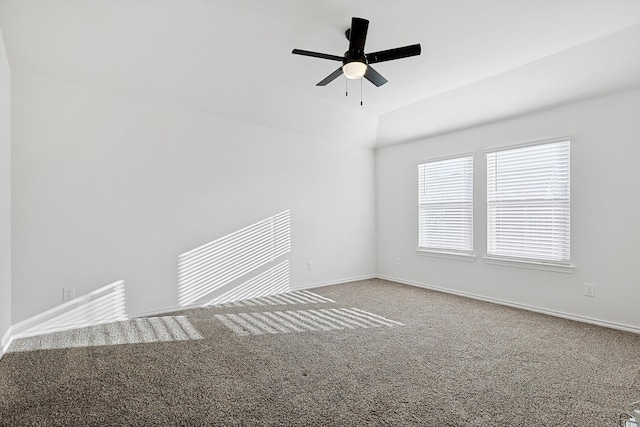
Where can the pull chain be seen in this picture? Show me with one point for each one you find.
(346, 89)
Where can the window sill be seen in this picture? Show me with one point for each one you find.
(444, 254)
(548, 266)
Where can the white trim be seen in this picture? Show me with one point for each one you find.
(462, 256)
(554, 313)
(528, 144)
(167, 310)
(47, 331)
(535, 265)
(452, 156)
(6, 341)
(334, 282)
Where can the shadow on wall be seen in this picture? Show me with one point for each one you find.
(104, 305)
(237, 266)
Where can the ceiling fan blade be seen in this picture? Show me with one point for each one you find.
(358, 34)
(374, 77)
(391, 54)
(316, 54)
(331, 77)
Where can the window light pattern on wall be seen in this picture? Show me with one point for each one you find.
(103, 305)
(528, 194)
(217, 264)
(445, 195)
(273, 281)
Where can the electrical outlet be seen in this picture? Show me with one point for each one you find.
(68, 293)
(589, 290)
(397, 262)
(309, 265)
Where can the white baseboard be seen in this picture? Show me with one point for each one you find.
(13, 333)
(24, 329)
(103, 305)
(578, 318)
(5, 342)
(295, 288)
(333, 282)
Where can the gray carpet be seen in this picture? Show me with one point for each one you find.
(364, 353)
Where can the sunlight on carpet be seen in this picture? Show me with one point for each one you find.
(136, 331)
(296, 297)
(276, 322)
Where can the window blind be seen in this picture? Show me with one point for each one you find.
(528, 193)
(445, 193)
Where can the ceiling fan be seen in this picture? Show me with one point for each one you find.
(357, 63)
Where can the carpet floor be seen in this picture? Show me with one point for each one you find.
(364, 353)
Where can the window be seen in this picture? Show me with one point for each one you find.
(528, 202)
(445, 198)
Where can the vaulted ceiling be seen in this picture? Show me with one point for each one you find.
(481, 60)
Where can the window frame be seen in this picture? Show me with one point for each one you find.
(564, 266)
(443, 252)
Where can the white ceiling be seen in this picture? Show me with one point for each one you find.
(481, 60)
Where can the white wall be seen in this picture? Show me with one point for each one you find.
(605, 213)
(111, 188)
(5, 196)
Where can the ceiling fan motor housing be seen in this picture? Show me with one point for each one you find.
(354, 56)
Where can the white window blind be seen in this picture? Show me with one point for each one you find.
(528, 202)
(445, 197)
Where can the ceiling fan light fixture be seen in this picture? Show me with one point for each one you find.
(354, 70)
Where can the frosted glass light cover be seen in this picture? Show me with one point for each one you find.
(354, 70)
